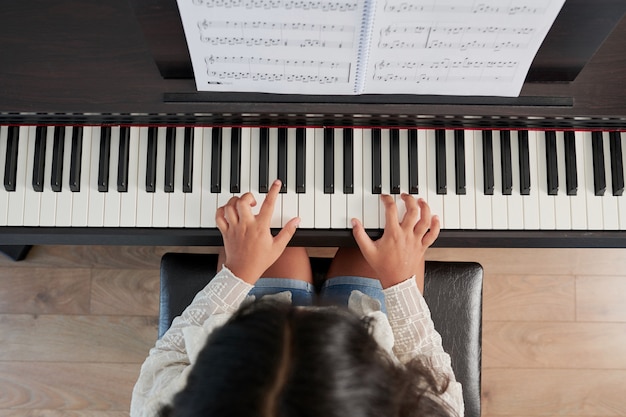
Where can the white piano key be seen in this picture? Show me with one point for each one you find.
(47, 211)
(32, 199)
(610, 211)
(451, 207)
(404, 172)
(209, 199)
(531, 201)
(277, 215)
(193, 200)
(370, 201)
(80, 200)
(15, 215)
(290, 199)
(483, 201)
(144, 199)
(468, 201)
(306, 200)
(435, 201)
(4, 194)
(65, 196)
(338, 200)
(245, 185)
(177, 198)
(547, 217)
(515, 205)
(322, 200)
(128, 200)
(112, 201)
(96, 198)
(622, 200)
(355, 200)
(385, 174)
(499, 208)
(161, 199)
(562, 204)
(422, 166)
(578, 202)
(254, 170)
(594, 203)
(225, 195)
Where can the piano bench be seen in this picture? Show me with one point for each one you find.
(453, 291)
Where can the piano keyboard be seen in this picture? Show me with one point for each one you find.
(176, 177)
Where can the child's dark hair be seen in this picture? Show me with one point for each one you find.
(274, 360)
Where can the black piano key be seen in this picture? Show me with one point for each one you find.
(348, 161)
(188, 161)
(300, 160)
(488, 176)
(216, 160)
(123, 157)
(377, 182)
(170, 157)
(459, 161)
(552, 170)
(329, 161)
(394, 163)
(617, 163)
(264, 159)
(56, 180)
(151, 160)
(506, 163)
(440, 161)
(40, 158)
(282, 158)
(76, 159)
(10, 167)
(599, 178)
(235, 160)
(413, 164)
(104, 160)
(524, 162)
(571, 174)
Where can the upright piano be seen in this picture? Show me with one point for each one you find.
(104, 140)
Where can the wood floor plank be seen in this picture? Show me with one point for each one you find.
(74, 338)
(601, 298)
(554, 345)
(523, 297)
(549, 392)
(67, 386)
(44, 290)
(125, 292)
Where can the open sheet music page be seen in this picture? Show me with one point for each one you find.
(455, 47)
(276, 46)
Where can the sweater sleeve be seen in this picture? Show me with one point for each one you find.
(415, 336)
(164, 372)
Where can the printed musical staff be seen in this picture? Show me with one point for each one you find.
(476, 7)
(326, 6)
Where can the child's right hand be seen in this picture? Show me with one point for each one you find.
(398, 253)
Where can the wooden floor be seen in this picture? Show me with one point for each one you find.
(77, 322)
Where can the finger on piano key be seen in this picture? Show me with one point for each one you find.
(177, 196)
(578, 202)
(255, 166)
(15, 215)
(322, 199)
(95, 212)
(145, 197)
(306, 200)
(435, 200)
(225, 195)
(9, 136)
(47, 213)
(531, 200)
(277, 215)
(597, 148)
(160, 202)
(385, 175)
(81, 189)
(188, 165)
(483, 200)
(193, 197)
(290, 197)
(440, 161)
(112, 197)
(468, 205)
(122, 165)
(76, 160)
(524, 162)
(235, 161)
(594, 203)
(151, 160)
(622, 200)
(264, 158)
(515, 204)
(209, 198)
(451, 209)
(546, 201)
(170, 159)
(499, 202)
(370, 199)
(128, 207)
(4, 156)
(65, 196)
(571, 174)
(506, 162)
(609, 201)
(562, 203)
(338, 199)
(282, 159)
(403, 145)
(355, 199)
(617, 163)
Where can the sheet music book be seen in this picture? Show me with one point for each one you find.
(344, 47)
